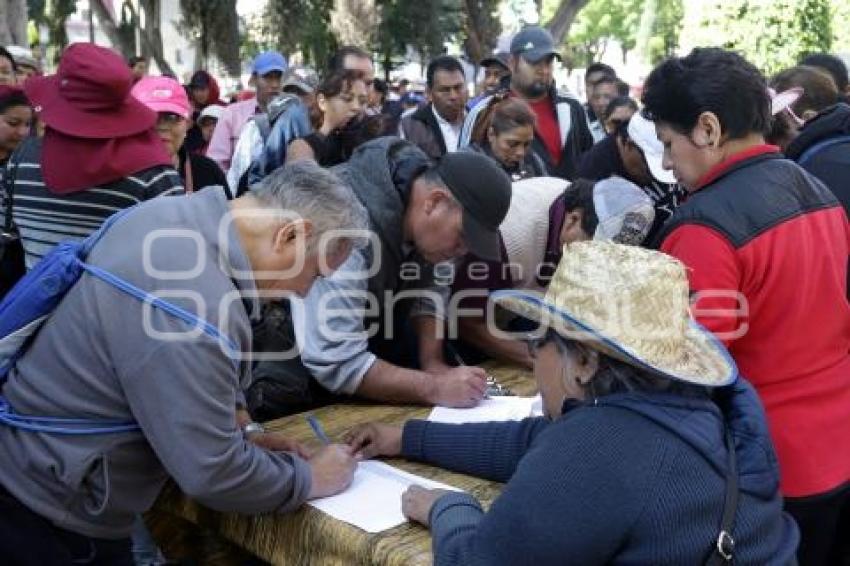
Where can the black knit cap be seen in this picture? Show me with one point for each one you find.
(484, 191)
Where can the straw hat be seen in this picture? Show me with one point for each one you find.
(630, 303)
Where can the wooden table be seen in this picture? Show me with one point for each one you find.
(309, 536)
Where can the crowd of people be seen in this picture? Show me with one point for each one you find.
(673, 270)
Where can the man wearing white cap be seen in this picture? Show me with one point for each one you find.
(633, 152)
(546, 213)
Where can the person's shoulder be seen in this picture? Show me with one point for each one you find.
(155, 181)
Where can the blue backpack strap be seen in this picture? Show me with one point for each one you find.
(820, 146)
(145, 297)
(73, 426)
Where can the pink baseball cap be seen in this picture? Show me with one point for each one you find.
(162, 94)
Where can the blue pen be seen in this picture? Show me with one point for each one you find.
(317, 428)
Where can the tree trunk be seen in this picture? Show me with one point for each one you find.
(152, 35)
(110, 28)
(559, 25)
(13, 22)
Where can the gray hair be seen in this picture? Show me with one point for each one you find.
(303, 189)
(615, 376)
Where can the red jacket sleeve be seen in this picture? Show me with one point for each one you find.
(717, 301)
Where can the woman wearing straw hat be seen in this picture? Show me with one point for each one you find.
(630, 463)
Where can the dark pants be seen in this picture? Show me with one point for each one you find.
(824, 522)
(28, 539)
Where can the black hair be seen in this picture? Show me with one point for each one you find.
(15, 97)
(617, 103)
(623, 87)
(403, 82)
(134, 60)
(4, 53)
(616, 376)
(442, 63)
(608, 70)
(832, 65)
(337, 60)
(709, 79)
(333, 85)
(819, 90)
(607, 79)
(380, 86)
(579, 196)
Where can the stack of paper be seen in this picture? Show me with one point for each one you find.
(493, 409)
(373, 500)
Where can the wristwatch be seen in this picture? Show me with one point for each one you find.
(253, 428)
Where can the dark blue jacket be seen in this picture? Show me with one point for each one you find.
(831, 164)
(635, 478)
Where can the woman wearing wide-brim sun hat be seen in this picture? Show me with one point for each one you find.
(99, 154)
(630, 462)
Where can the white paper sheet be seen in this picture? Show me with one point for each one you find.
(506, 408)
(373, 500)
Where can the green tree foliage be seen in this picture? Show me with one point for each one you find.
(651, 25)
(841, 26)
(422, 26)
(294, 25)
(481, 27)
(772, 34)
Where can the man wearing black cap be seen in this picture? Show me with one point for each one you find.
(351, 327)
(496, 67)
(561, 134)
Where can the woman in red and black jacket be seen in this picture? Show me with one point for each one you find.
(767, 247)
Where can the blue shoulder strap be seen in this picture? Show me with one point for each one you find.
(820, 146)
(71, 426)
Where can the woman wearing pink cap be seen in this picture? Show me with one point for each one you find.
(168, 99)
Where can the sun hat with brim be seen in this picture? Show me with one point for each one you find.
(89, 96)
(631, 304)
(642, 133)
(162, 94)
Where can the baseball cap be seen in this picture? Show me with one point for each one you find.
(484, 191)
(211, 111)
(269, 61)
(499, 58)
(625, 212)
(162, 94)
(304, 79)
(642, 133)
(533, 43)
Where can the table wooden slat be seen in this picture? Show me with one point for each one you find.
(308, 536)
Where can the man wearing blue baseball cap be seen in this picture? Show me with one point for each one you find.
(266, 76)
(561, 134)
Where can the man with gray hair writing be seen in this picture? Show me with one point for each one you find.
(105, 355)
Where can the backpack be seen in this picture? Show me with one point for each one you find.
(34, 298)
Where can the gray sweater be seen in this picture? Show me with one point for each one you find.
(104, 355)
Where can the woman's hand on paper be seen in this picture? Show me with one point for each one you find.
(375, 439)
(417, 501)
